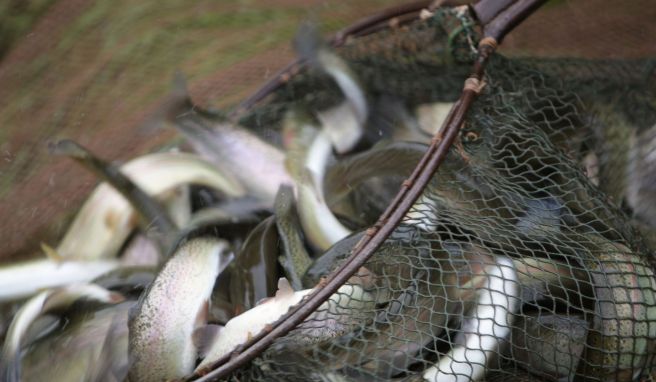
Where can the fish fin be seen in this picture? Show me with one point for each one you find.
(51, 253)
(203, 337)
(307, 41)
(263, 300)
(284, 288)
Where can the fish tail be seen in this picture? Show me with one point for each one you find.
(10, 369)
(178, 101)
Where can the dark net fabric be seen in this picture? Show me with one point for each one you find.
(524, 258)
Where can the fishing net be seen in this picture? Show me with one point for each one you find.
(520, 259)
(528, 256)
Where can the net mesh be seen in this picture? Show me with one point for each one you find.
(529, 256)
(519, 258)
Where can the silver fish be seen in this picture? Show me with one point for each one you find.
(22, 280)
(256, 164)
(162, 324)
(331, 318)
(344, 123)
(106, 218)
(489, 325)
(39, 305)
(309, 156)
(90, 347)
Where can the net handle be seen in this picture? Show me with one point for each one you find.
(410, 190)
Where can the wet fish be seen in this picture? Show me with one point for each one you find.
(344, 123)
(254, 272)
(106, 218)
(140, 250)
(257, 165)
(92, 346)
(386, 159)
(162, 323)
(312, 151)
(154, 219)
(295, 258)
(431, 116)
(39, 305)
(489, 325)
(622, 334)
(22, 280)
(331, 317)
(549, 346)
(248, 324)
(128, 281)
(641, 176)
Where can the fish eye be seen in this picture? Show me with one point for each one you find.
(471, 136)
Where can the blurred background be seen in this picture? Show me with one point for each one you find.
(95, 71)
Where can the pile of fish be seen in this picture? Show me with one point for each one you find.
(178, 258)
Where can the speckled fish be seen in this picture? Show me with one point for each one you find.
(91, 346)
(622, 335)
(106, 218)
(295, 258)
(39, 305)
(176, 303)
(255, 163)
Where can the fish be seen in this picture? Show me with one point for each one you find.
(551, 282)
(307, 165)
(391, 119)
(331, 258)
(431, 116)
(329, 320)
(255, 164)
(254, 272)
(548, 345)
(641, 178)
(129, 281)
(106, 219)
(155, 221)
(91, 346)
(386, 160)
(418, 287)
(484, 331)
(542, 218)
(248, 324)
(344, 123)
(161, 325)
(622, 334)
(45, 302)
(141, 250)
(295, 259)
(24, 279)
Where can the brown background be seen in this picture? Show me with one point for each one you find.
(95, 70)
